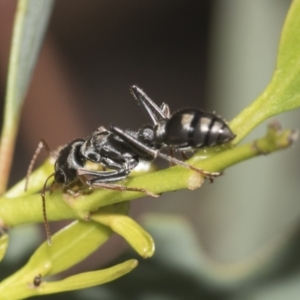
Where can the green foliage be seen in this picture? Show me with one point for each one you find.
(110, 208)
(282, 94)
(29, 29)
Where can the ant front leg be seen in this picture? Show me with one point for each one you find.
(106, 180)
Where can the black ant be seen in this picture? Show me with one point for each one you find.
(120, 151)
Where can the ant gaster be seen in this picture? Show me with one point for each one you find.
(121, 150)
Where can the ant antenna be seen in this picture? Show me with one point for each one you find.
(42, 144)
(47, 228)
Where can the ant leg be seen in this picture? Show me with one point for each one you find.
(42, 145)
(139, 147)
(121, 188)
(102, 180)
(155, 113)
(184, 155)
(104, 176)
(209, 175)
(171, 153)
(166, 110)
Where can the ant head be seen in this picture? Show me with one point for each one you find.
(65, 175)
(68, 161)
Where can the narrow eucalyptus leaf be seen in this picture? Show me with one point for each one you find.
(89, 279)
(80, 281)
(29, 30)
(70, 245)
(30, 24)
(130, 230)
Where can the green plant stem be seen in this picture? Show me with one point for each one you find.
(28, 209)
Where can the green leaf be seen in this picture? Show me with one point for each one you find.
(131, 231)
(20, 210)
(69, 246)
(29, 29)
(80, 281)
(283, 92)
(89, 279)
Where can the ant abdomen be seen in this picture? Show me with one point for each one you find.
(193, 128)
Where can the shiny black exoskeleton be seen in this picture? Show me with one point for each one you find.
(192, 128)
